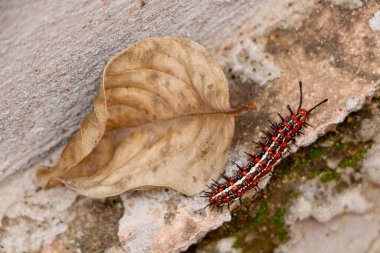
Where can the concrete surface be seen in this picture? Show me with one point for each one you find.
(53, 54)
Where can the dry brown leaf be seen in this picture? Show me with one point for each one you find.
(162, 118)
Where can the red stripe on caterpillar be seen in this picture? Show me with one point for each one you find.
(259, 165)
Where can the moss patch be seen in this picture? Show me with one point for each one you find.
(313, 162)
(278, 221)
(329, 175)
(352, 161)
(261, 214)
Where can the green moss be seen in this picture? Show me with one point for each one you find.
(352, 161)
(266, 226)
(316, 153)
(368, 145)
(348, 162)
(285, 171)
(338, 146)
(301, 164)
(261, 214)
(326, 175)
(279, 224)
(314, 173)
(329, 175)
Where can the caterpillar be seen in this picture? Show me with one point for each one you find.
(259, 165)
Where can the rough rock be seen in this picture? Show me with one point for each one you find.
(52, 59)
(32, 218)
(164, 221)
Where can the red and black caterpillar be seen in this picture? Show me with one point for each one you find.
(259, 165)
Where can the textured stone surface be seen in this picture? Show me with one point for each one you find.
(32, 218)
(164, 221)
(53, 54)
(224, 245)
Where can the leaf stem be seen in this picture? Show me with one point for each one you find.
(242, 109)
